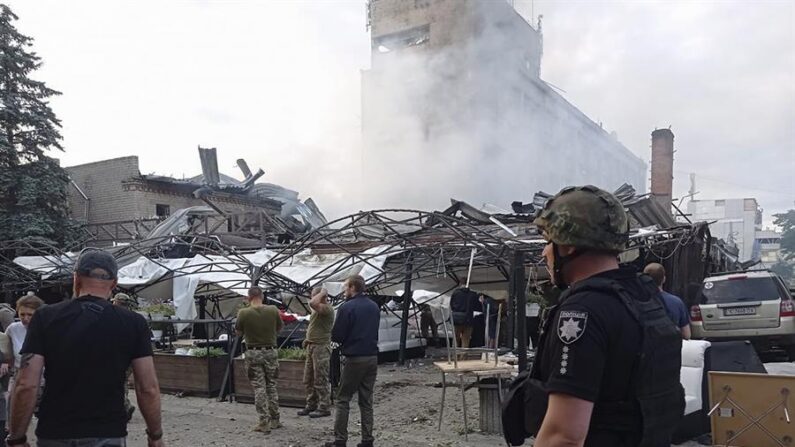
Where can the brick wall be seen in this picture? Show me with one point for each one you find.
(101, 181)
(116, 192)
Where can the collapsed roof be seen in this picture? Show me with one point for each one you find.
(439, 251)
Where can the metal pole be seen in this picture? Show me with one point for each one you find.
(446, 335)
(471, 263)
(521, 308)
(510, 313)
(497, 335)
(488, 317)
(404, 323)
(455, 342)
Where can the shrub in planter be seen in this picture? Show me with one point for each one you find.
(204, 352)
(158, 312)
(292, 354)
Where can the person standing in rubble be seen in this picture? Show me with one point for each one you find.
(318, 354)
(356, 329)
(607, 368)
(674, 305)
(129, 303)
(259, 324)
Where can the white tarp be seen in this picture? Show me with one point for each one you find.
(178, 279)
(226, 273)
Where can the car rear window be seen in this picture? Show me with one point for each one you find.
(739, 290)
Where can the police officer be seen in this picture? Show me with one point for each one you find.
(609, 357)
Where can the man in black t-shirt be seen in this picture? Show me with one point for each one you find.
(87, 345)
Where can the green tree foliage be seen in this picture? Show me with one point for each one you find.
(783, 269)
(33, 201)
(787, 223)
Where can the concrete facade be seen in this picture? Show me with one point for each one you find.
(736, 220)
(455, 95)
(117, 191)
(769, 245)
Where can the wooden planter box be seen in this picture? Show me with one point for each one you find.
(190, 375)
(290, 384)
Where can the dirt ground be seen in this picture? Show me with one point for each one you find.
(406, 415)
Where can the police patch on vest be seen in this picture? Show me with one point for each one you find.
(571, 325)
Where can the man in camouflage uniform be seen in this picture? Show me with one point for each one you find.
(259, 324)
(318, 354)
(129, 303)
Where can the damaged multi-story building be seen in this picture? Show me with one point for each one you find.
(455, 94)
(117, 203)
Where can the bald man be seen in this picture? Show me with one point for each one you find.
(674, 305)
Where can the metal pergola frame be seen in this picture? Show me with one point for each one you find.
(401, 247)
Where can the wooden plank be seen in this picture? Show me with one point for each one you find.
(472, 366)
(188, 374)
(289, 385)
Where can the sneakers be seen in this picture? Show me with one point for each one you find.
(306, 411)
(276, 424)
(262, 427)
(319, 414)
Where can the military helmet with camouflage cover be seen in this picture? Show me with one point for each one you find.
(122, 299)
(585, 217)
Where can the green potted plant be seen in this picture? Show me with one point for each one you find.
(292, 354)
(159, 311)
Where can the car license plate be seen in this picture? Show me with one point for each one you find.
(739, 311)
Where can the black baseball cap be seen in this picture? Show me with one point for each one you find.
(97, 264)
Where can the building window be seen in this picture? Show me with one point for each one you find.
(720, 203)
(408, 38)
(162, 210)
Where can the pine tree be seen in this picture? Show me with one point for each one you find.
(33, 200)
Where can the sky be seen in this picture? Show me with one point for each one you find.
(278, 83)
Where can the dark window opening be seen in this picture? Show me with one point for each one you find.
(741, 289)
(162, 210)
(403, 39)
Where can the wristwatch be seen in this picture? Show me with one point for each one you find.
(16, 441)
(154, 436)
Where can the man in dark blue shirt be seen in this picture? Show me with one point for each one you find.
(356, 330)
(674, 305)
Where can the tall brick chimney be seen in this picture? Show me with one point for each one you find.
(662, 166)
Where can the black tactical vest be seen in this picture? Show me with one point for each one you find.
(656, 391)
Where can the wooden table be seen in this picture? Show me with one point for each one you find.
(477, 368)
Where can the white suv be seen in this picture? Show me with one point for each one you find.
(753, 305)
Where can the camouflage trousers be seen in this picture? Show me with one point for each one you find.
(316, 374)
(262, 367)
